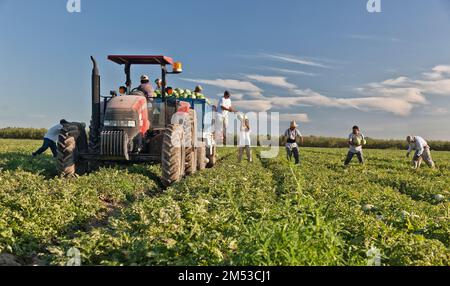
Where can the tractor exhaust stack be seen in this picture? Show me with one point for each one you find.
(95, 120)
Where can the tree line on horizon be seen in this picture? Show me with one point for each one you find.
(309, 141)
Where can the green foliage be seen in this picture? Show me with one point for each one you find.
(269, 212)
(330, 142)
(22, 133)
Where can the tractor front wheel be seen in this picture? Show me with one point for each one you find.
(173, 155)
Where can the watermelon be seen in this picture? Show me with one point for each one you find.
(199, 95)
(357, 141)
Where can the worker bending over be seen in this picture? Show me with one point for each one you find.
(422, 151)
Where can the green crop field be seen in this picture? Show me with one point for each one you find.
(269, 213)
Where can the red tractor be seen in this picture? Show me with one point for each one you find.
(177, 133)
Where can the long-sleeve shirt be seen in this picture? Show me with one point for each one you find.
(418, 145)
(53, 133)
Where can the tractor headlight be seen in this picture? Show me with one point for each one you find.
(119, 123)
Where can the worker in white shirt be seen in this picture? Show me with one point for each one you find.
(244, 138)
(290, 139)
(356, 141)
(51, 139)
(422, 151)
(223, 109)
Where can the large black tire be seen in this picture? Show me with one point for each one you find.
(94, 148)
(72, 141)
(212, 157)
(190, 131)
(173, 155)
(201, 156)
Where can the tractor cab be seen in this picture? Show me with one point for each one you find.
(158, 112)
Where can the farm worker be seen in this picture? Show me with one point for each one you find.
(169, 91)
(224, 107)
(50, 139)
(244, 137)
(422, 151)
(146, 87)
(198, 89)
(355, 141)
(122, 90)
(158, 90)
(158, 83)
(290, 139)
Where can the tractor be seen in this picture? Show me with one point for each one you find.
(176, 133)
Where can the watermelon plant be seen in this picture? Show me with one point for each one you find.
(269, 212)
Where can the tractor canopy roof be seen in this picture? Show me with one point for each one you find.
(141, 60)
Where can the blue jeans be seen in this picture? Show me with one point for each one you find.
(46, 145)
(350, 155)
(293, 152)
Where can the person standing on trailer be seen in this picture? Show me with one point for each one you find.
(158, 90)
(356, 141)
(422, 151)
(223, 109)
(290, 139)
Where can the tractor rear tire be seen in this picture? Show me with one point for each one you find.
(72, 141)
(201, 156)
(173, 155)
(212, 156)
(190, 131)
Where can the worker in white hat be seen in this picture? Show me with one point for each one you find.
(422, 151)
(244, 137)
(290, 139)
(146, 87)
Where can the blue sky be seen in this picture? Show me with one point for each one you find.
(327, 64)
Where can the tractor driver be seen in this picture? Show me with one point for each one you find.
(146, 87)
(122, 90)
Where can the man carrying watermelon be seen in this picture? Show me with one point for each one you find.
(356, 140)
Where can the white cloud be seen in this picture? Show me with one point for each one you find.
(261, 105)
(234, 96)
(398, 95)
(295, 60)
(438, 72)
(290, 71)
(278, 81)
(230, 84)
(403, 80)
(299, 117)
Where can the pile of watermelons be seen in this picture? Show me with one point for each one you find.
(183, 93)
